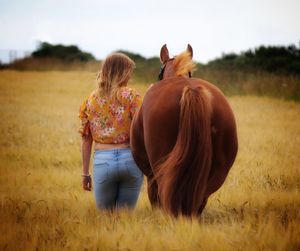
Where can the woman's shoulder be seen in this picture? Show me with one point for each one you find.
(94, 96)
(128, 93)
(95, 99)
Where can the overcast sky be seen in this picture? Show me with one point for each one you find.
(103, 26)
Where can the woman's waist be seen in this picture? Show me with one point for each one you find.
(114, 152)
(103, 146)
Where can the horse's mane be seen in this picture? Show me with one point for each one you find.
(183, 64)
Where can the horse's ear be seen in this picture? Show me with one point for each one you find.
(190, 50)
(164, 54)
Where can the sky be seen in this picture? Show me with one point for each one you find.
(100, 27)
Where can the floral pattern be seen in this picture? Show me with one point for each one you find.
(109, 121)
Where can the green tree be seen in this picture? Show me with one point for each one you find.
(67, 53)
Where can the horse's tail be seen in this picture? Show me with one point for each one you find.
(182, 175)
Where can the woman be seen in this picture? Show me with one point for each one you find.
(105, 119)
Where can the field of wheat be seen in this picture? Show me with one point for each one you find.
(43, 207)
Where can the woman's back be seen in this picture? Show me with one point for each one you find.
(109, 119)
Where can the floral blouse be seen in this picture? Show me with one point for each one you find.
(109, 120)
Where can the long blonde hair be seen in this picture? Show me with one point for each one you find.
(115, 73)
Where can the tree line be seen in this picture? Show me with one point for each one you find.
(271, 59)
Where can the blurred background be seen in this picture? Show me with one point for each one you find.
(244, 47)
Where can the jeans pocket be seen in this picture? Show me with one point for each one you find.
(132, 169)
(100, 171)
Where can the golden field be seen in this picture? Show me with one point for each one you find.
(43, 207)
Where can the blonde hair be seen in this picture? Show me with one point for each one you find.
(115, 73)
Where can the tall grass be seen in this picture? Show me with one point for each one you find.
(231, 82)
(253, 83)
(53, 64)
(43, 207)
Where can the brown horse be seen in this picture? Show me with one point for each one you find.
(183, 138)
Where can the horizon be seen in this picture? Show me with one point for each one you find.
(4, 54)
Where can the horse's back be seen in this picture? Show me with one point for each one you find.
(162, 104)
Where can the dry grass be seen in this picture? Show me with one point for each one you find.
(53, 64)
(236, 82)
(42, 205)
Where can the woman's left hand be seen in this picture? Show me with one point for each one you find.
(149, 87)
(87, 183)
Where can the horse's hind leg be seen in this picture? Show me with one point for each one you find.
(138, 145)
(223, 159)
(202, 206)
(153, 192)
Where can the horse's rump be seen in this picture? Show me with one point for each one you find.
(182, 173)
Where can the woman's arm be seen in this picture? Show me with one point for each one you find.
(86, 148)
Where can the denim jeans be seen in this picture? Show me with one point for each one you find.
(117, 179)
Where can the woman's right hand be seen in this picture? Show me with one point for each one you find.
(87, 183)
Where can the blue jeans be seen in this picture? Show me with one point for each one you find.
(117, 179)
